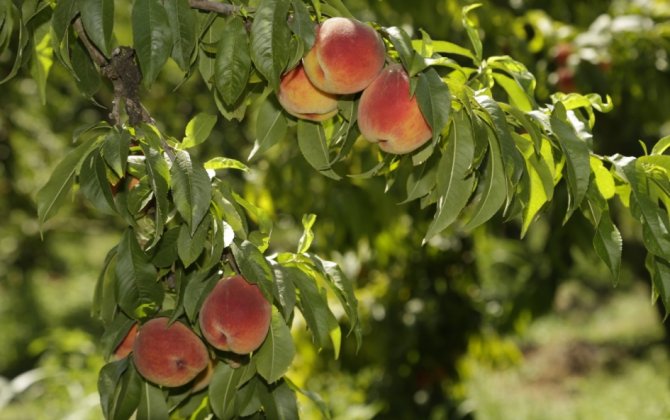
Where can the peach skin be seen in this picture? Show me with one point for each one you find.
(126, 345)
(169, 356)
(389, 116)
(300, 98)
(346, 56)
(235, 316)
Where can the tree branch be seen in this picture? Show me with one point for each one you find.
(212, 6)
(93, 51)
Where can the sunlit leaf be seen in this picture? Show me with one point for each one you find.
(276, 354)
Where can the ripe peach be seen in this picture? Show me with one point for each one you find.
(169, 355)
(126, 345)
(346, 56)
(389, 116)
(235, 316)
(204, 378)
(302, 99)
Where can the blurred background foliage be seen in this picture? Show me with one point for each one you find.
(471, 325)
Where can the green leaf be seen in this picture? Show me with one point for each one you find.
(94, 183)
(22, 43)
(270, 128)
(108, 381)
(42, 58)
(104, 297)
(492, 188)
(64, 12)
(313, 304)
(402, 44)
(472, 29)
(279, 403)
(275, 355)
(87, 76)
(159, 177)
(254, 267)
(138, 290)
(223, 390)
(603, 178)
(540, 182)
(191, 188)
(189, 247)
(98, 19)
(659, 269)
(301, 24)
(225, 163)
(184, 25)
(608, 243)
(165, 253)
(434, 100)
(283, 289)
(198, 286)
(454, 185)
(576, 153)
(152, 403)
(270, 40)
(307, 234)
(314, 147)
(52, 195)
(198, 129)
(422, 179)
(115, 151)
(233, 61)
(520, 87)
(152, 37)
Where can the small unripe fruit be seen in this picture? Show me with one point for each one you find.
(389, 116)
(346, 56)
(169, 355)
(235, 316)
(300, 98)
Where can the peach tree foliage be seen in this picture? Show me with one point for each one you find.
(493, 150)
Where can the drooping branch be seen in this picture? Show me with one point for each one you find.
(212, 6)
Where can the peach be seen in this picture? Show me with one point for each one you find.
(169, 355)
(126, 345)
(346, 56)
(302, 99)
(389, 116)
(204, 378)
(235, 316)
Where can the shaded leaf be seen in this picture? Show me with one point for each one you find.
(275, 355)
(191, 188)
(152, 37)
(233, 61)
(314, 147)
(434, 100)
(184, 25)
(97, 17)
(270, 40)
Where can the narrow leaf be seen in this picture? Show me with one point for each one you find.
(314, 147)
(98, 19)
(152, 37)
(270, 39)
(434, 101)
(233, 61)
(192, 189)
(184, 25)
(276, 354)
(270, 128)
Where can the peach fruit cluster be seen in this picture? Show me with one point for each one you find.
(235, 317)
(348, 57)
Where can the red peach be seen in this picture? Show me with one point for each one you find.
(346, 56)
(389, 116)
(235, 316)
(125, 347)
(169, 355)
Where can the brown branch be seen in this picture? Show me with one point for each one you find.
(212, 6)
(97, 56)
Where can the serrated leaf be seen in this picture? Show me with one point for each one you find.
(184, 25)
(198, 129)
(115, 151)
(492, 189)
(233, 61)
(270, 128)
(191, 189)
(576, 153)
(314, 147)
(454, 186)
(52, 195)
(138, 290)
(98, 19)
(152, 37)
(434, 100)
(659, 269)
(270, 40)
(539, 180)
(275, 355)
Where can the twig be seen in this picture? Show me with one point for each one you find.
(230, 258)
(93, 51)
(212, 6)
